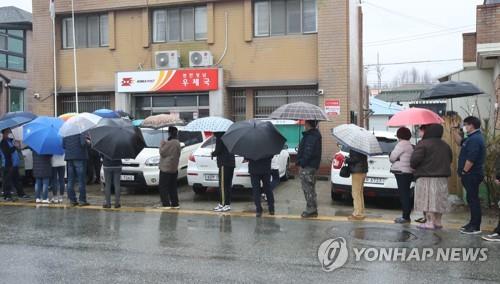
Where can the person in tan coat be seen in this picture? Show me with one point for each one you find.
(170, 152)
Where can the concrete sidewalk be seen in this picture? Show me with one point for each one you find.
(289, 204)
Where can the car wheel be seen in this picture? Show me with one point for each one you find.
(198, 189)
(286, 176)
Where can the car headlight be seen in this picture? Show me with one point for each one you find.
(153, 162)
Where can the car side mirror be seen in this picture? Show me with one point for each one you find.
(285, 147)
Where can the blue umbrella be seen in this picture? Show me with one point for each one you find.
(15, 119)
(106, 113)
(42, 135)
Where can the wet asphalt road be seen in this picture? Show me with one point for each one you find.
(56, 245)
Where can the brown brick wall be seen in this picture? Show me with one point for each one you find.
(469, 49)
(488, 23)
(497, 92)
(324, 57)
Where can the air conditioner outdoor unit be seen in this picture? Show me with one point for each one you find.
(167, 59)
(202, 58)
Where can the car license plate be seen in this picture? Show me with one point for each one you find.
(375, 180)
(127, 178)
(212, 177)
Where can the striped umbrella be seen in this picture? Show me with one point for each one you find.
(299, 111)
(211, 124)
(358, 139)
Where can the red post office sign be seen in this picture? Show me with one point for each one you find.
(332, 107)
(175, 80)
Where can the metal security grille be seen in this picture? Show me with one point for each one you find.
(239, 105)
(86, 103)
(267, 101)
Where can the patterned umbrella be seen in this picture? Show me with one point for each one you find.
(161, 121)
(79, 124)
(299, 111)
(211, 124)
(67, 116)
(357, 138)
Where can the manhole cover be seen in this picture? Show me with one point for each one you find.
(383, 235)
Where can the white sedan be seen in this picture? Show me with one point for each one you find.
(203, 172)
(143, 171)
(379, 179)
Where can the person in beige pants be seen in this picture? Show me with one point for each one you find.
(358, 164)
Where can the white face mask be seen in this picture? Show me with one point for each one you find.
(11, 136)
(464, 129)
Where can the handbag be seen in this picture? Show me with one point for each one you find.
(345, 171)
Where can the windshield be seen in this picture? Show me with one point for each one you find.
(210, 143)
(386, 144)
(153, 137)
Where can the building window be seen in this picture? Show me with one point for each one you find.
(180, 24)
(91, 31)
(282, 17)
(267, 101)
(66, 103)
(12, 50)
(187, 106)
(239, 105)
(16, 99)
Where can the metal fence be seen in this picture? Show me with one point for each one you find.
(239, 105)
(267, 101)
(86, 103)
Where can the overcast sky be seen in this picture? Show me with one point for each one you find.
(403, 31)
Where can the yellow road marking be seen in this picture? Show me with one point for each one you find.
(212, 213)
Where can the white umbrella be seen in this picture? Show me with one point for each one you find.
(79, 124)
(211, 124)
(358, 139)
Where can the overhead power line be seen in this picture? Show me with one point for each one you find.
(418, 36)
(397, 13)
(414, 62)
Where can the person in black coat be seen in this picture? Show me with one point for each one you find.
(226, 164)
(358, 164)
(308, 159)
(260, 173)
(42, 172)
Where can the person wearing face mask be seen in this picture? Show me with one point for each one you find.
(170, 152)
(471, 171)
(9, 150)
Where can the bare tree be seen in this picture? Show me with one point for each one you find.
(412, 76)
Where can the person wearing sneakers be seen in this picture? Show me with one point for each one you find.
(400, 159)
(226, 164)
(42, 172)
(471, 171)
(431, 160)
(9, 151)
(170, 152)
(358, 164)
(58, 170)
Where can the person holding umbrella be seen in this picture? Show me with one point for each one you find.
(431, 160)
(115, 139)
(260, 174)
(10, 164)
(42, 172)
(76, 156)
(258, 142)
(170, 152)
(308, 159)
(226, 164)
(358, 166)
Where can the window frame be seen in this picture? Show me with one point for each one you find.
(6, 52)
(165, 37)
(269, 33)
(68, 20)
(22, 98)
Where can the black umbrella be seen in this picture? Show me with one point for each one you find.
(450, 90)
(254, 139)
(15, 119)
(117, 138)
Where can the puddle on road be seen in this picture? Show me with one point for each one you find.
(383, 235)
